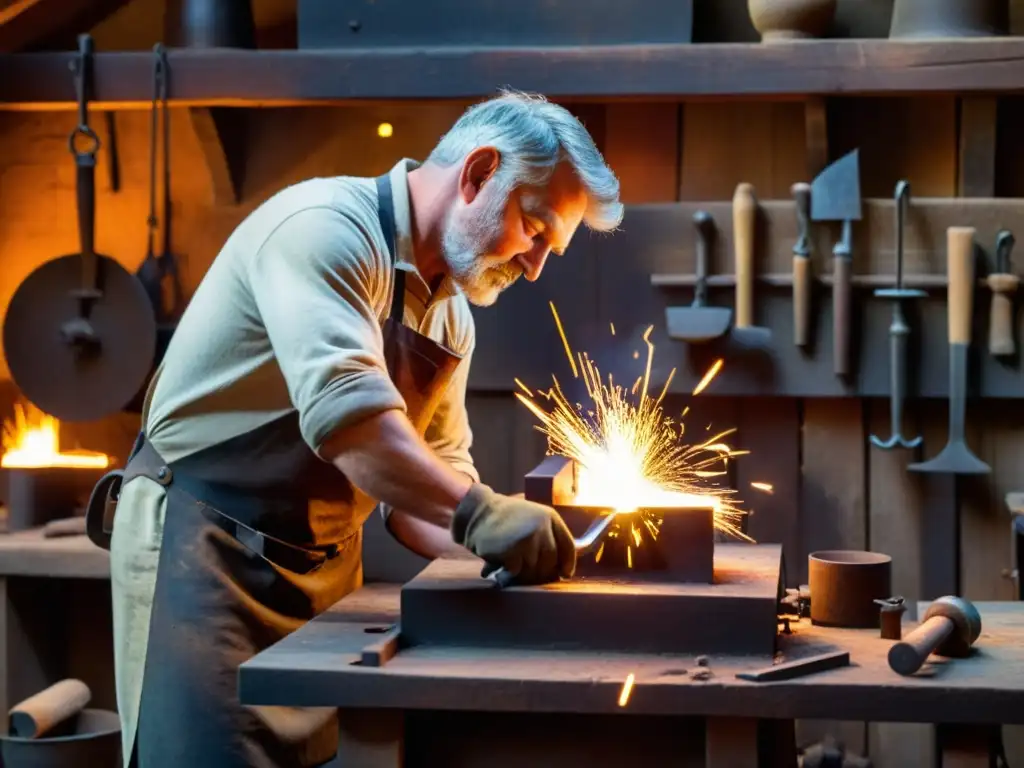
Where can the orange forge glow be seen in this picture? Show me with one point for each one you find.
(629, 454)
(32, 440)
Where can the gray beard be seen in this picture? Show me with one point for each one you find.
(462, 252)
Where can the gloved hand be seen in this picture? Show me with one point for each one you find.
(527, 543)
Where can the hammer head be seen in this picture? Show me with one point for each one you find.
(966, 624)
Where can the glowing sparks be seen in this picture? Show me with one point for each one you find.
(612, 326)
(765, 487)
(627, 689)
(708, 377)
(629, 454)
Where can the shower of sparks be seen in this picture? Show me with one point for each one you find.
(630, 456)
(764, 487)
(627, 688)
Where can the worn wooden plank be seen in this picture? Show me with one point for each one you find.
(833, 514)
(912, 138)
(833, 488)
(816, 135)
(769, 428)
(984, 519)
(976, 162)
(724, 144)
(233, 78)
(642, 146)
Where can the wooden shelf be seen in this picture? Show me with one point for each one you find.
(786, 279)
(228, 77)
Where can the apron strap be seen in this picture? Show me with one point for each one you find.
(386, 217)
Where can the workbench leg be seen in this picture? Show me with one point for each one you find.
(371, 738)
(965, 745)
(730, 742)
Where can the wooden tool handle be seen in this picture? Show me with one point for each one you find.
(960, 260)
(907, 656)
(38, 714)
(1000, 325)
(801, 300)
(744, 210)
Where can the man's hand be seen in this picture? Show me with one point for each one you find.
(528, 542)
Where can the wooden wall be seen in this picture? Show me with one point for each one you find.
(831, 489)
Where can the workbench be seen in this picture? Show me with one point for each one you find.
(498, 707)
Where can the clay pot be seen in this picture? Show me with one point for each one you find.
(778, 20)
(949, 18)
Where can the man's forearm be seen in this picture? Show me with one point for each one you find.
(425, 539)
(385, 458)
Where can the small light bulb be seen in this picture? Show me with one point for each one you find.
(384, 130)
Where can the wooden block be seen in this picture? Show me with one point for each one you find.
(450, 605)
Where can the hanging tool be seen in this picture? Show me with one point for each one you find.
(802, 265)
(956, 458)
(835, 196)
(79, 334)
(158, 273)
(699, 322)
(1003, 284)
(744, 219)
(898, 333)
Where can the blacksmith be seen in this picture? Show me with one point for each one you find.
(320, 370)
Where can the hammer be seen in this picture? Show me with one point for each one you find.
(950, 627)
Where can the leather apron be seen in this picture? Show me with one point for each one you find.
(240, 568)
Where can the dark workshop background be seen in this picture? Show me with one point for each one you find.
(831, 490)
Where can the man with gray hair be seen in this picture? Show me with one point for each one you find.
(320, 370)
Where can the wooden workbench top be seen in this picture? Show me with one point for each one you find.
(29, 553)
(318, 666)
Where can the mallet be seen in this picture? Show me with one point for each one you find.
(950, 627)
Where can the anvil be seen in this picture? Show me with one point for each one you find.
(673, 603)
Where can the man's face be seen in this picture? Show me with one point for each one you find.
(494, 237)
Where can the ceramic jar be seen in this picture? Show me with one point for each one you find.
(949, 18)
(778, 20)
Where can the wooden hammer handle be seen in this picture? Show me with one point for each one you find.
(907, 656)
(744, 212)
(39, 713)
(1000, 327)
(960, 260)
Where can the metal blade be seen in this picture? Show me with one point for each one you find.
(835, 192)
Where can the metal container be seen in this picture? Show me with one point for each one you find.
(37, 495)
(844, 585)
(918, 19)
(210, 24)
(90, 739)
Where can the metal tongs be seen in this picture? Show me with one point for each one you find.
(594, 534)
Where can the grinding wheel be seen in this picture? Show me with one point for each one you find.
(61, 373)
(80, 332)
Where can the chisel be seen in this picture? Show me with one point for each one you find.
(802, 265)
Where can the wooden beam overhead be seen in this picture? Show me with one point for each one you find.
(27, 23)
(744, 70)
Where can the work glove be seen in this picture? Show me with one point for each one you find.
(520, 541)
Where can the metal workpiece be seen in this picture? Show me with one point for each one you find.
(891, 617)
(899, 331)
(1003, 284)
